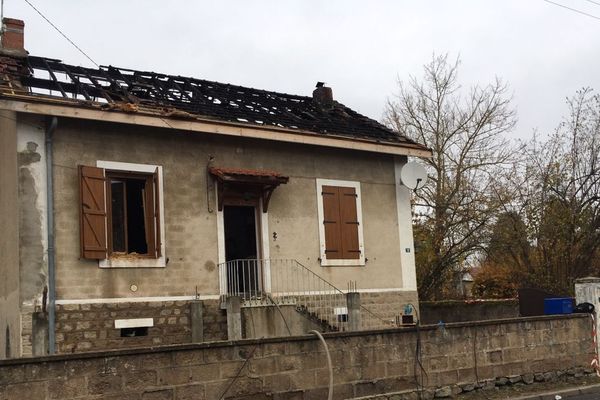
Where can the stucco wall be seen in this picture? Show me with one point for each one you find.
(31, 156)
(191, 230)
(9, 239)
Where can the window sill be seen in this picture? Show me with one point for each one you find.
(343, 263)
(133, 262)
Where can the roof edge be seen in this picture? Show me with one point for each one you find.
(210, 126)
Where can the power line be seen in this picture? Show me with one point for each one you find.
(21, 122)
(59, 31)
(568, 8)
(593, 2)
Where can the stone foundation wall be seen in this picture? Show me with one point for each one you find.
(386, 306)
(364, 363)
(26, 332)
(90, 327)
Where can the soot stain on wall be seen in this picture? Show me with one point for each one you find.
(31, 249)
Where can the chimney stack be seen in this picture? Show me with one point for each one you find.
(323, 95)
(13, 41)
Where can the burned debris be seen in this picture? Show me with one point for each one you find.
(181, 97)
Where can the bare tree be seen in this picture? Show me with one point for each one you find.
(561, 200)
(470, 154)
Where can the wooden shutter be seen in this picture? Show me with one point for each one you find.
(92, 216)
(349, 223)
(332, 222)
(340, 219)
(157, 214)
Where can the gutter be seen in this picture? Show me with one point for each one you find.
(50, 219)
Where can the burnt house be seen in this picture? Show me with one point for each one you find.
(135, 204)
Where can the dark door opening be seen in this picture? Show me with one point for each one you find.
(241, 251)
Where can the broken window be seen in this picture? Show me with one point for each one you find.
(129, 216)
(119, 213)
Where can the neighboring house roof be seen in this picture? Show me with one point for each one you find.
(42, 79)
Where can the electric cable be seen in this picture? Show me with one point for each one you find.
(77, 47)
(21, 122)
(280, 313)
(63, 35)
(418, 365)
(239, 372)
(568, 8)
(418, 368)
(593, 2)
(255, 347)
(322, 339)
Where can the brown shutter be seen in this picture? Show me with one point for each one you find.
(92, 217)
(349, 223)
(157, 214)
(332, 222)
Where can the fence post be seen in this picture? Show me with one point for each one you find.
(587, 290)
(234, 318)
(353, 305)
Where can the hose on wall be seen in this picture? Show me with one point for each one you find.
(322, 339)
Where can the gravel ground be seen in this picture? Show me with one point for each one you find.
(546, 390)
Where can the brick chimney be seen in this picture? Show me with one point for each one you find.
(13, 37)
(323, 95)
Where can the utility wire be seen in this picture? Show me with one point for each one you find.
(59, 31)
(77, 47)
(593, 2)
(21, 122)
(568, 8)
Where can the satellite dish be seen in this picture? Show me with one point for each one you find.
(413, 175)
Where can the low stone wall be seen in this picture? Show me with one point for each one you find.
(365, 363)
(467, 310)
(89, 327)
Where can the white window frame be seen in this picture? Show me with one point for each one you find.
(141, 262)
(361, 243)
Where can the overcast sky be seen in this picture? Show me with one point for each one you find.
(360, 48)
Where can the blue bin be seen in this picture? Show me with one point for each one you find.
(559, 305)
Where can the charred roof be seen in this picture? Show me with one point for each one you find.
(180, 97)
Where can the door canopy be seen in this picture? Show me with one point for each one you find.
(246, 186)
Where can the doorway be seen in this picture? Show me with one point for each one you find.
(244, 269)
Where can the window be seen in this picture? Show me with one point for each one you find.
(121, 211)
(130, 213)
(340, 223)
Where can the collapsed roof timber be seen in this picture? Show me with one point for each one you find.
(182, 97)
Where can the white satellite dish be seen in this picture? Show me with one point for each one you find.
(413, 175)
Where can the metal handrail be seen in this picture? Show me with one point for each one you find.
(288, 282)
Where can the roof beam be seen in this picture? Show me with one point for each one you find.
(59, 109)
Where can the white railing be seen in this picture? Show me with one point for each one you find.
(287, 282)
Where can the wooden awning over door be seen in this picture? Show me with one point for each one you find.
(246, 186)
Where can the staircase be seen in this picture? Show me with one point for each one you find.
(291, 283)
